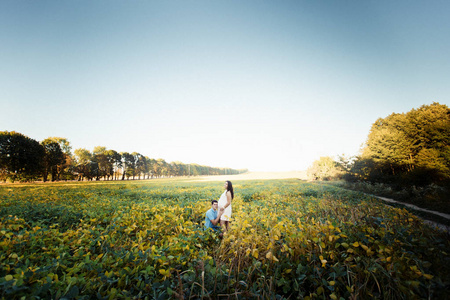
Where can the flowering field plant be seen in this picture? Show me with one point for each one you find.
(145, 240)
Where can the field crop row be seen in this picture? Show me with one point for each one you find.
(145, 240)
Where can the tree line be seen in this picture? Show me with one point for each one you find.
(404, 149)
(25, 159)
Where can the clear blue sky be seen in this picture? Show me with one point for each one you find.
(263, 85)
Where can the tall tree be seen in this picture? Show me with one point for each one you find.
(412, 147)
(151, 165)
(99, 157)
(160, 167)
(114, 163)
(429, 130)
(20, 156)
(63, 143)
(325, 168)
(84, 166)
(140, 164)
(388, 144)
(65, 170)
(54, 156)
(128, 165)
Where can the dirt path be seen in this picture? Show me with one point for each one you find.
(440, 226)
(434, 224)
(447, 216)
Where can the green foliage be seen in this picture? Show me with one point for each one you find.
(21, 158)
(409, 148)
(85, 166)
(63, 143)
(140, 240)
(326, 168)
(53, 157)
(24, 159)
(65, 169)
(431, 196)
(408, 155)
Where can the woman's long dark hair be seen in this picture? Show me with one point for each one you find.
(230, 188)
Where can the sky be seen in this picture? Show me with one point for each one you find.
(258, 85)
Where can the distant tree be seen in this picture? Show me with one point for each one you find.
(53, 158)
(63, 143)
(178, 168)
(150, 165)
(156, 169)
(114, 163)
(195, 169)
(65, 170)
(166, 169)
(325, 168)
(144, 166)
(160, 167)
(140, 164)
(84, 166)
(128, 165)
(346, 162)
(99, 156)
(20, 156)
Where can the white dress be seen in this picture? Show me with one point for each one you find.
(226, 216)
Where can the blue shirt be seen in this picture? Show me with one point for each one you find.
(211, 215)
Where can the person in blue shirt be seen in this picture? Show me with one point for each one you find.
(212, 218)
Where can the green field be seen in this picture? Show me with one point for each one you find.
(144, 240)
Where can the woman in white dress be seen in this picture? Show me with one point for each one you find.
(225, 203)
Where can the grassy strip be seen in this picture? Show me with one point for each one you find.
(422, 214)
(375, 190)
